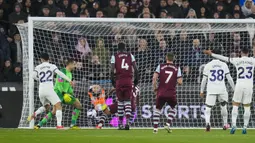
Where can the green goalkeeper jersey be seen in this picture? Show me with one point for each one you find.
(63, 86)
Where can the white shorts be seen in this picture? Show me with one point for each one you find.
(243, 95)
(48, 96)
(211, 98)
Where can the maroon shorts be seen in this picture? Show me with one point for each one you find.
(124, 92)
(162, 100)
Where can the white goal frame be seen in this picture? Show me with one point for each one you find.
(31, 20)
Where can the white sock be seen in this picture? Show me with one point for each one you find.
(40, 110)
(246, 116)
(207, 115)
(234, 115)
(224, 114)
(59, 117)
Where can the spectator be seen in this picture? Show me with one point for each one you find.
(37, 5)
(46, 11)
(112, 9)
(15, 75)
(74, 10)
(237, 9)
(121, 3)
(84, 4)
(96, 71)
(203, 13)
(3, 24)
(220, 10)
(253, 12)
(209, 6)
(174, 9)
(6, 70)
(133, 7)
(84, 13)
(28, 9)
(162, 6)
(102, 52)
(16, 49)
(120, 15)
(94, 9)
(5, 8)
(65, 6)
(216, 15)
(163, 13)
(191, 14)
(185, 7)
(17, 16)
(146, 4)
(229, 5)
(246, 8)
(82, 48)
(52, 7)
(4, 47)
(60, 13)
(99, 14)
(124, 10)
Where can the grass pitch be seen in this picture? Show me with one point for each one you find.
(115, 136)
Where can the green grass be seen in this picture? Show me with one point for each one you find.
(115, 136)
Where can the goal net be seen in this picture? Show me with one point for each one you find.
(91, 42)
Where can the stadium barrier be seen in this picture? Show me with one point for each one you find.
(11, 99)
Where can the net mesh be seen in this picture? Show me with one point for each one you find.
(91, 44)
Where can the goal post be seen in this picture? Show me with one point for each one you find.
(92, 41)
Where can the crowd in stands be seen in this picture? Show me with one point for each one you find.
(17, 11)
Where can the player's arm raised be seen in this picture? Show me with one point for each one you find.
(223, 58)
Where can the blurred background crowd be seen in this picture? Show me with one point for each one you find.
(17, 11)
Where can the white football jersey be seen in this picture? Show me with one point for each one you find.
(216, 72)
(45, 74)
(245, 69)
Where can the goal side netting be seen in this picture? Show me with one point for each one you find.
(91, 42)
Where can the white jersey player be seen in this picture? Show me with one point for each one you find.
(44, 73)
(244, 85)
(214, 74)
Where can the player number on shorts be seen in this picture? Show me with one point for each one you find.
(170, 73)
(216, 75)
(242, 74)
(46, 76)
(124, 65)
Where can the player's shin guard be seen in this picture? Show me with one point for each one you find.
(246, 116)
(39, 111)
(75, 115)
(156, 115)
(234, 115)
(45, 119)
(128, 110)
(59, 117)
(120, 111)
(171, 115)
(207, 115)
(224, 114)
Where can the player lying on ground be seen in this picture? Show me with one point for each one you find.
(244, 85)
(44, 74)
(168, 75)
(96, 92)
(65, 94)
(214, 74)
(124, 64)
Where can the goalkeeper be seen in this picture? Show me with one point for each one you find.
(65, 92)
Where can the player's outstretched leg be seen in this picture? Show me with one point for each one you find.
(171, 115)
(224, 114)
(37, 112)
(156, 116)
(75, 114)
(234, 117)
(120, 114)
(44, 120)
(207, 117)
(128, 110)
(246, 117)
